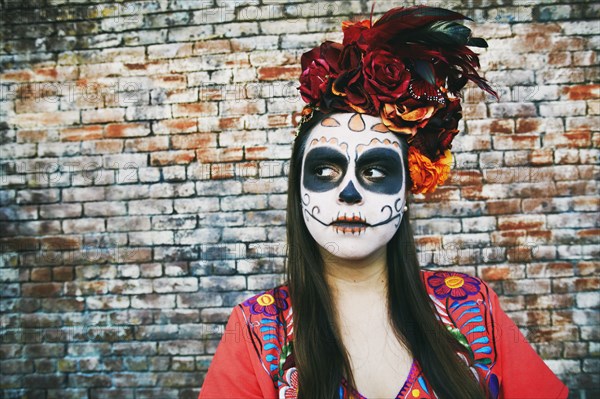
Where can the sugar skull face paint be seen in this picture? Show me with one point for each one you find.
(353, 184)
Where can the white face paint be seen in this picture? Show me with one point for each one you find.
(353, 184)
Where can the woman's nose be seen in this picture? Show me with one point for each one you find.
(350, 195)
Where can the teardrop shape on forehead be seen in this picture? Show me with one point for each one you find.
(356, 123)
(380, 128)
(330, 122)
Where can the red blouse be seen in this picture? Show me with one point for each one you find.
(253, 359)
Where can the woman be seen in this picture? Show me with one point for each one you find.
(358, 317)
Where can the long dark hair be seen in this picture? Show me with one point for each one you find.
(320, 356)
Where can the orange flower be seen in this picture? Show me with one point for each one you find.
(365, 23)
(401, 119)
(427, 175)
(415, 115)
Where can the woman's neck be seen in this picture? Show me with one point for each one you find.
(356, 275)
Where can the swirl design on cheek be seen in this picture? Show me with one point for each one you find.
(312, 213)
(391, 215)
(305, 199)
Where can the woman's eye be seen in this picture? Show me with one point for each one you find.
(374, 174)
(326, 172)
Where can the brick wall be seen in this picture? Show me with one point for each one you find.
(144, 157)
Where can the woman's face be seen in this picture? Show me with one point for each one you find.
(353, 184)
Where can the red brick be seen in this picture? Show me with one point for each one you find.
(587, 268)
(147, 144)
(83, 133)
(181, 125)
(234, 122)
(516, 142)
(193, 141)
(41, 274)
(41, 289)
(555, 269)
(576, 284)
(17, 244)
(572, 139)
(279, 72)
(61, 243)
(503, 207)
(103, 115)
(533, 286)
(62, 273)
(583, 92)
(222, 171)
(528, 125)
(559, 58)
(195, 109)
(278, 120)
(551, 301)
(208, 155)
(31, 136)
(212, 47)
(16, 76)
(170, 81)
(530, 317)
(46, 119)
(172, 158)
(235, 108)
(526, 222)
(501, 272)
(127, 130)
(465, 177)
(428, 242)
(541, 156)
(107, 146)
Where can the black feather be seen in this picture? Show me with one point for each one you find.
(477, 42)
(425, 70)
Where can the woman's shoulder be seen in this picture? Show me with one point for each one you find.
(268, 317)
(268, 303)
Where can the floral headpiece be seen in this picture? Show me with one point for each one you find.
(408, 68)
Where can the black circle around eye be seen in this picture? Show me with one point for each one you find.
(373, 173)
(326, 172)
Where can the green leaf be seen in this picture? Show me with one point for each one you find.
(460, 338)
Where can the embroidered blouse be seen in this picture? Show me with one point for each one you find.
(254, 358)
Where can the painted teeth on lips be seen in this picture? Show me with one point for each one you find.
(353, 224)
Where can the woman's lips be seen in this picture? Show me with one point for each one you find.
(349, 224)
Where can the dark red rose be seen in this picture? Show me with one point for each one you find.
(349, 87)
(313, 81)
(436, 137)
(353, 32)
(386, 77)
(319, 65)
(350, 58)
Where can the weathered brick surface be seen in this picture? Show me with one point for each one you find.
(143, 158)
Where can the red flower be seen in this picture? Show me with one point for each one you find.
(406, 116)
(269, 303)
(353, 31)
(436, 137)
(385, 75)
(319, 66)
(313, 81)
(452, 284)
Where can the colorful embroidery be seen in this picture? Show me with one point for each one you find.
(290, 388)
(269, 319)
(268, 304)
(460, 304)
(452, 284)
